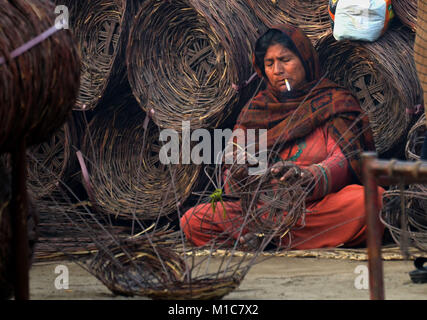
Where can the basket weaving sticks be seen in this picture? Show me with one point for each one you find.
(49, 162)
(381, 75)
(265, 203)
(183, 58)
(148, 265)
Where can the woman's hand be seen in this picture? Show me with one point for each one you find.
(289, 171)
(239, 168)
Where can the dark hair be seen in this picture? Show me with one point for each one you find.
(271, 37)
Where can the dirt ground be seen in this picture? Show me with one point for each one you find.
(277, 278)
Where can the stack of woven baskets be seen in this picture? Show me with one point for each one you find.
(151, 65)
(146, 66)
(184, 61)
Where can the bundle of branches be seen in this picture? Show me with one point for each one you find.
(406, 11)
(415, 140)
(101, 28)
(6, 253)
(405, 215)
(310, 16)
(383, 77)
(184, 57)
(128, 177)
(272, 207)
(39, 82)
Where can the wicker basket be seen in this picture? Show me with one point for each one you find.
(184, 56)
(101, 28)
(149, 265)
(406, 11)
(415, 139)
(310, 16)
(39, 87)
(266, 203)
(127, 177)
(408, 227)
(48, 162)
(381, 75)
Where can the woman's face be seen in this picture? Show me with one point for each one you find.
(280, 63)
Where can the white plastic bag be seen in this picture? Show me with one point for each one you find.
(364, 20)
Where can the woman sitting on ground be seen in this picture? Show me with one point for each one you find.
(320, 128)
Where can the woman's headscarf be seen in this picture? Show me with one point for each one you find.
(292, 115)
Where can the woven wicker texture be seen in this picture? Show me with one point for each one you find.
(265, 203)
(153, 262)
(48, 162)
(407, 219)
(155, 270)
(415, 139)
(184, 56)
(311, 16)
(420, 47)
(406, 11)
(39, 87)
(101, 29)
(126, 172)
(381, 75)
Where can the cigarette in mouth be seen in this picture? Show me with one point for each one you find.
(288, 85)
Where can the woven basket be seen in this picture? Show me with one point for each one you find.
(101, 28)
(311, 16)
(39, 87)
(149, 266)
(381, 75)
(412, 224)
(406, 11)
(266, 203)
(127, 177)
(184, 56)
(415, 139)
(48, 162)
